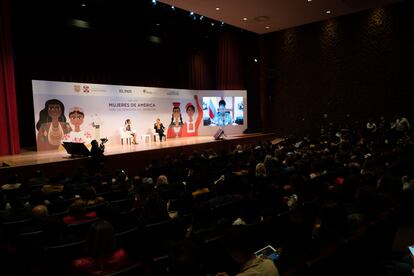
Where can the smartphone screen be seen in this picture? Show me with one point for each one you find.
(411, 248)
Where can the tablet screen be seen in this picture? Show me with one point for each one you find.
(268, 252)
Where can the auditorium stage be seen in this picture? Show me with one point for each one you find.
(132, 158)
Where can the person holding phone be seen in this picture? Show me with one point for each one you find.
(240, 247)
(406, 266)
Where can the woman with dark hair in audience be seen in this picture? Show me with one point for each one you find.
(331, 225)
(88, 198)
(103, 255)
(184, 259)
(152, 209)
(79, 215)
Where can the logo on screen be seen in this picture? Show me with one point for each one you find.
(85, 89)
(77, 88)
(173, 93)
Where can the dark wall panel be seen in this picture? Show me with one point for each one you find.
(359, 64)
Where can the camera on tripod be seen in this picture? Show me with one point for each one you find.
(102, 145)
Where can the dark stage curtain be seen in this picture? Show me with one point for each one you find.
(199, 74)
(9, 132)
(229, 70)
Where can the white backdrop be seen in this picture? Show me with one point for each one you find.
(110, 105)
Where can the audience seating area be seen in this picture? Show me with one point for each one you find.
(331, 203)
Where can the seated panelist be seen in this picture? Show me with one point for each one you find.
(128, 128)
(159, 128)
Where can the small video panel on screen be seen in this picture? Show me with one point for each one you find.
(223, 111)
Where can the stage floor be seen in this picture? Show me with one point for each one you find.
(30, 158)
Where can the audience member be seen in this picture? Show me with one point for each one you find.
(103, 257)
(79, 215)
(88, 198)
(240, 247)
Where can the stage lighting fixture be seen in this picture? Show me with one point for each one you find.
(154, 2)
(173, 8)
(193, 15)
(201, 17)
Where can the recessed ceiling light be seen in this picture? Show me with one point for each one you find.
(212, 23)
(309, 0)
(328, 11)
(267, 27)
(83, 5)
(217, 9)
(244, 18)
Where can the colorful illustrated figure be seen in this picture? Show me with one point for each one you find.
(52, 125)
(76, 117)
(175, 127)
(190, 128)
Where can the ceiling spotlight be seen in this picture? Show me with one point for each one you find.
(83, 5)
(267, 27)
(222, 23)
(212, 23)
(217, 9)
(309, 0)
(328, 11)
(154, 2)
(201, 17)
(244, 18)
(191, 13)
(173, 8)
(158, 24)
(255, 60)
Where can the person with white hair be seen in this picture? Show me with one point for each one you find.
(161, 180)
(261, 170)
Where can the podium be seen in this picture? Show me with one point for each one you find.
(219, 134)
(76, 149)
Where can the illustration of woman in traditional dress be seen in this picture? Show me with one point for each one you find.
(190, 128)
(52, 125)
(76, 117)
(175, 127)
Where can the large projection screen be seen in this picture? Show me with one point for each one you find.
(81, 112)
